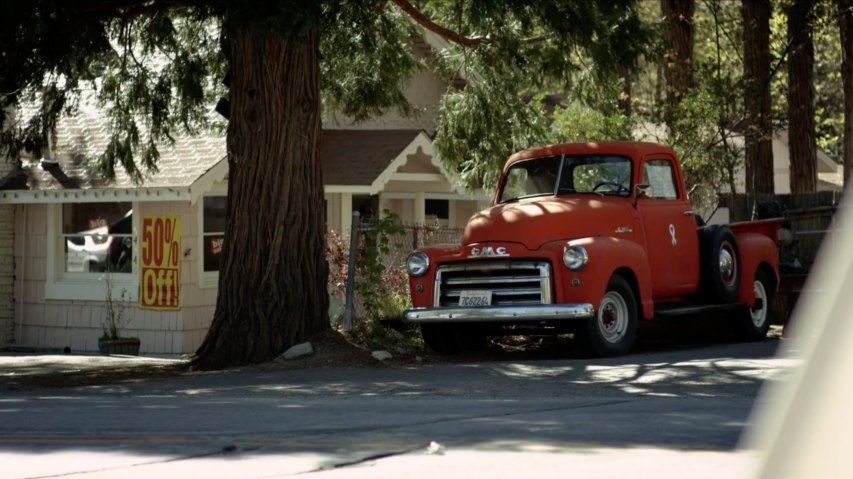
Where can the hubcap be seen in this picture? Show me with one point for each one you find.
(727, 264)
(759, 315)
(613, 317)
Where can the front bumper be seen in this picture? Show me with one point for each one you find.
(500, 314)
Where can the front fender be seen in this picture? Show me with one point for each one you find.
(607, 255)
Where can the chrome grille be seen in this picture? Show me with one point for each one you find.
(512, 283)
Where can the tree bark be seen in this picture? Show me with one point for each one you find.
(845, 21)
(272, 285)
(801, 111)
(756, 70)
(678, 58)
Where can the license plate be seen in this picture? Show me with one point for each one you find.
(475, 298)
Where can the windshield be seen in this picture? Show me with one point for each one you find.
(575, 174)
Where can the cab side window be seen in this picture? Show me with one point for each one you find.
(660, 176)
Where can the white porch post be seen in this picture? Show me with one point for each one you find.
(420, 208)
(382, 206)
(451, 213)
(346, 213)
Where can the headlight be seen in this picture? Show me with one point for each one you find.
(417, 264)
(575, 257)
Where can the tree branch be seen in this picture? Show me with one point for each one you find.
(443, 32)
(132, 7)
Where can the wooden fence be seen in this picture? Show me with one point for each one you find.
(809, 214)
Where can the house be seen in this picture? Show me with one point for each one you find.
(830, 173)
(62, 226)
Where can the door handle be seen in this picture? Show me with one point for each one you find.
(689, 213)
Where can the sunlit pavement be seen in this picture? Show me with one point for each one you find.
(676, 413)
(452, 463)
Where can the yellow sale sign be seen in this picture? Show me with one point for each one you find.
(160, 283)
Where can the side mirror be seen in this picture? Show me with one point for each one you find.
(643, 190)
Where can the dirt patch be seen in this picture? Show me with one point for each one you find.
(331, 349)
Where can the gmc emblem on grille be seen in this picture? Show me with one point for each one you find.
(488, 251)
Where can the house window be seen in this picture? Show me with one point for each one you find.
(97, 237)
(437, 209)
(213, 227)
(366, 205)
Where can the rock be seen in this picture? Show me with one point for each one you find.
(381, 355)
(435, 448)
(298, 351)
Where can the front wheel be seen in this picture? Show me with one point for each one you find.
(611, 332)
(754, 323)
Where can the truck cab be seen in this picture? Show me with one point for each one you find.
(589, 238)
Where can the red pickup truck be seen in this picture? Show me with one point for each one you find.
(591, 238)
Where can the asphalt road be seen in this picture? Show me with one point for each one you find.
(668, 412)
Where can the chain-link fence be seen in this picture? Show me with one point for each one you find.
(393, 285)
(417, 236)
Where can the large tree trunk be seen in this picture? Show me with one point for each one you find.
(801, 110)
(756, 70)
(272, 285)
(678, 58)
(846, 22)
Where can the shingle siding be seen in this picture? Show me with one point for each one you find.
(7, 262)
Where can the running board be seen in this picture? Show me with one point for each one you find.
(682, 309)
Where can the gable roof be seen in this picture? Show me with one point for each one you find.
(358, 157)
(352, 160)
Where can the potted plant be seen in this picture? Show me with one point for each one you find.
(111, 342)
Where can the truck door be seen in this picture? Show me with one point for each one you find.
(670, 229)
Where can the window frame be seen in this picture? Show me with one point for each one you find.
(673, 178)
(207, 279)
(64, 285)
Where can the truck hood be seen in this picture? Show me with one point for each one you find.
(542, 220)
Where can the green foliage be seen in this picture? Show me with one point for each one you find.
(152, 74)
(372, 274)
(377, 335)
(367, 59)
(579, 122)
(498, 118)
(524, 48)
(829, 92)
(156, 71)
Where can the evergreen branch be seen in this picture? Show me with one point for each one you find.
(452, 36)
(133, 7)
(443, 32)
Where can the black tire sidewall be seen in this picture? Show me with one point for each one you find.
(712, 283)
(592, 336)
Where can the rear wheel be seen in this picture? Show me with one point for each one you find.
(611, 332)
(720, 265)
(754, 323)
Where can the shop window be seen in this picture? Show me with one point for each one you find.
(213, 231)
(97, 237)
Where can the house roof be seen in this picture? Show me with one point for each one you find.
(358, 157)
(363, 159)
